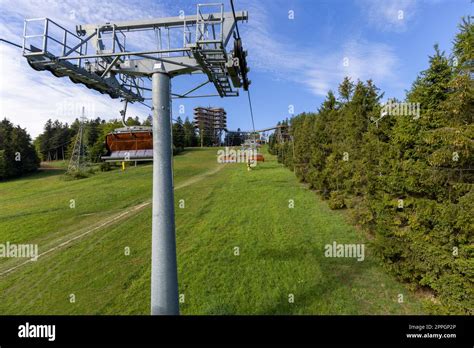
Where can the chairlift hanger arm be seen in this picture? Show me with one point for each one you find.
(124, 113)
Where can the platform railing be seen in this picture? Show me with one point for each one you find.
(53, 39)
(206, 22)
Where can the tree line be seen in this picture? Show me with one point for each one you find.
(184, 134)
(20, 155)
(405, 177)
(57, 140)
(17, 154)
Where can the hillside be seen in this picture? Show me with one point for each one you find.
(281, 250)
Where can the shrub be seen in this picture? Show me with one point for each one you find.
(336, 200)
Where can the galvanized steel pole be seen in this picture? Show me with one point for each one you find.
(164, 277)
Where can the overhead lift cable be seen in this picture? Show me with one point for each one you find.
(14, 44)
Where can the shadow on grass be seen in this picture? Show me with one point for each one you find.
(335, 274)
(39, 174)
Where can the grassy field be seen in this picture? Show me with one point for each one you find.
(280, 249)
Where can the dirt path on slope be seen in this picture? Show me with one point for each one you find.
(72, 237)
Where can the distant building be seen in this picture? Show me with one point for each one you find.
(210, 122)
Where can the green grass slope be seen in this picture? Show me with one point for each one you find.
(280, 249)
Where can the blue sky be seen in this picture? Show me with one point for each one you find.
(293, 61)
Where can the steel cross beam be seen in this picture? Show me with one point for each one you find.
(146, 24)
(144, 67)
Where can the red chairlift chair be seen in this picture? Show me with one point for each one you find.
(130, 143)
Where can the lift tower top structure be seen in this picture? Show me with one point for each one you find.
(119, 58)
(113, 59)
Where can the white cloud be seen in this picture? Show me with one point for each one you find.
(389, 15)
(69, 12)
(318, 71)
(29, 98)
